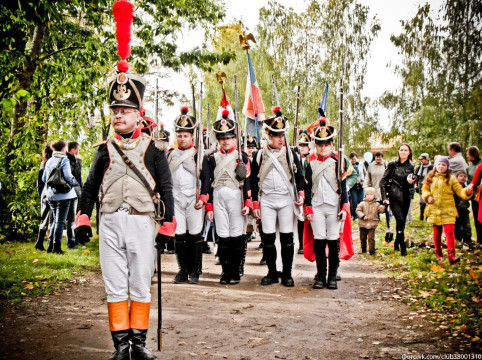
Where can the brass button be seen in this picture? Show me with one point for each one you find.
(125, 197)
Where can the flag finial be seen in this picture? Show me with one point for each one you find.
(244, 40)
(219, 76)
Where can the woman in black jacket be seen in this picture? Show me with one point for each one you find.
(397, 188)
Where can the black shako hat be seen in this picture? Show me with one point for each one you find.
(251, 141)
(185, 122)
(224, 127)
(276, 125)
(323, 133)
(304, 137)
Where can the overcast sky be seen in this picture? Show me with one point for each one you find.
(379, 77)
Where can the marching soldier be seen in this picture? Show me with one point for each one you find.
(251, 146)
(272, 184)
(133, 177)
(304, 145)
(225, 203)
(322, 205)
(189, 210)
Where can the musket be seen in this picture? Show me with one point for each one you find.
(208, 142)
(159, 300)
(199, 147)
(156, 109)
(288, 147)
(238, 136)
(295, 127)
(193, 101)
(341, 156)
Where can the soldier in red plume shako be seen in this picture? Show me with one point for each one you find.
(321, 204)
(225, 203)
(273, 197)
(189, 207)
(130, 215)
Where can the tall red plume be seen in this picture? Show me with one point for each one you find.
(123, 12)
(224, 101)
(184, 110)
(276, 108)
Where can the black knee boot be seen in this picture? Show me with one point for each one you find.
(243, 260)
(319, 248)
(194, 257)
(171, 246)
(333, 262)
(236, 257)
(138, 346)
(39, 245)
(287, 253)
(301, 229)
(121, 343)
(181, 255)
(269, 254)
(223, 253)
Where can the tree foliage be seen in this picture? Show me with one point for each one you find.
(328, 41)
(55, 57)
(440, 99)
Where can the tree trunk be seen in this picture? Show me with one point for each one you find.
(25, 80)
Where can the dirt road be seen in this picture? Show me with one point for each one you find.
(362, 319)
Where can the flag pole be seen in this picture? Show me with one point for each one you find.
(244, 41)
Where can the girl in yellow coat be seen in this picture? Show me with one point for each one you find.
(438, 192)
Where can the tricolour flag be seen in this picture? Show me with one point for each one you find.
(253, 103)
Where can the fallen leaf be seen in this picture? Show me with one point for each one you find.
(424, 294)
(473, 274)
(35, 261)
(29, 286)
(436, 268)
(477, 300)
(8, 252)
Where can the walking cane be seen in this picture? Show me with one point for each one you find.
(159, 302)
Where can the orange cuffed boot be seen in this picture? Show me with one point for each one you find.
(119, 328)
(139, 323)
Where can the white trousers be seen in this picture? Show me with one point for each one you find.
(227, 213)
(127, 255)
(277, 208)
(325, 222)
(188, 219)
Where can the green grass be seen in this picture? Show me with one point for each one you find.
(25, 271)
(451, 294)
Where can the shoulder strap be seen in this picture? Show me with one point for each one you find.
(174, 164)
(131, 165)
